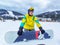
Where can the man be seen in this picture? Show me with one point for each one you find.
(28, 22)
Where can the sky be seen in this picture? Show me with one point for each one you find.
(22, 6)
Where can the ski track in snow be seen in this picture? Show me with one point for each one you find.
(10, 25)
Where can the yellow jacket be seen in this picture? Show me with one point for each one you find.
(28, 22)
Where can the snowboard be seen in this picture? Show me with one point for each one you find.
(12, 37)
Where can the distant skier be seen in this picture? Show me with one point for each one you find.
(28, 23)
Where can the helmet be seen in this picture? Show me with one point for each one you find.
(30, 9)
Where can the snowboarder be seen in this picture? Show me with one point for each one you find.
(28, 23)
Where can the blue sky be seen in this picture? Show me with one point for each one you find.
(22, 6)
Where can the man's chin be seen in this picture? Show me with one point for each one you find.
(30, 15)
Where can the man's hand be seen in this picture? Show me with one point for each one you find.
(42, 30)
(20, 31)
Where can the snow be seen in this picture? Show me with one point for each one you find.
(11, 14)
(10, 25)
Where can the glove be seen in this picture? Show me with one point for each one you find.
(41, 29)
(20, 31)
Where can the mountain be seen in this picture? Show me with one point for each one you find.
(49, 14)
(54, 15)
(6, 14)
(3, 11)
(16, 13)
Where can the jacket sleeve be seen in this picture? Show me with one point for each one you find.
(37, 22)
(23, 21)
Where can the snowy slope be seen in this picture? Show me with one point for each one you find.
(14, 25)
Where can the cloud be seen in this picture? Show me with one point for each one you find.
(23, 5)
(7, 3)
(41, 3)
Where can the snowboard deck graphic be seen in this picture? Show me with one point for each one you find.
(12, 37)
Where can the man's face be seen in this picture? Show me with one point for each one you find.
(31, 13)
